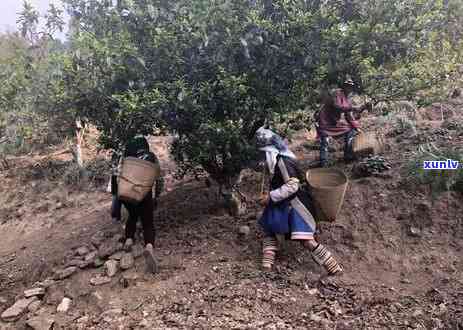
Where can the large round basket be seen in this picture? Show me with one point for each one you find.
(328, 187)
(136, 178)
(367, 143)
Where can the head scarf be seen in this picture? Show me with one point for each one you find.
(273, 146)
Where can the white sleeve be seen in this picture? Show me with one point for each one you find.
(286, 190)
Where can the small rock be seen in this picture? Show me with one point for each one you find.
(313, 291)
(100, 280)
(319, 319)
(112, 311)
(336, 309)
(64, 306)
(82, 251)
(65, 273)
(98, 262)
(118, 238)
(414, 232)
(83, 319)
(3, 301)
(116, 256)
(127, 261)
(46, 284)
(85, 264)
(442, 309)
(107, 248)
(34, 306)
(111, 267)
(137, 251)
(34, 292)
(97, 239)
(417, 313)
(129, 278)
(244, 231)
(54, 295)
(41, 323)
(315, 318)
(17, 310)
(143, 323)
(91, 256)
(74, 263)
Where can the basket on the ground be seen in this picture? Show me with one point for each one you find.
(328, 187)
(136, 178)
(367, 143)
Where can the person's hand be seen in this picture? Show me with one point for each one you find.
(264, 199)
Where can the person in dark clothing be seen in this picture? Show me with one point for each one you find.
(139, 148)
(288, 206)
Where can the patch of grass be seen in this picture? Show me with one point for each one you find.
(404, 124)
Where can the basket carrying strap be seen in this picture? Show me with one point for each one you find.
(296, 202)
(135, 184)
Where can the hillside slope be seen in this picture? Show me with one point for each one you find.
(400, 248)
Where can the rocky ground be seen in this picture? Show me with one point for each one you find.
(62, 267)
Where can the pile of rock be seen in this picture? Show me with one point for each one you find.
(102, 251)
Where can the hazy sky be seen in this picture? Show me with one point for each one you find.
(9, 10)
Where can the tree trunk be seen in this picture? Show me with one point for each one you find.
(80, 131)
(234, 200)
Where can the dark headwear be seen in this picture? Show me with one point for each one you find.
(137, 144)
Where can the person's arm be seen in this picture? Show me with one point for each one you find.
(289, 188)
(341, 103)
(351, 120)
(285, 191)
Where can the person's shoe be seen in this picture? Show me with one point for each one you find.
(268, 259)
(128, 245)
(324, 258)
(150, 262)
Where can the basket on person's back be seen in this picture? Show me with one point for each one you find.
(328, 187)
(136, 179)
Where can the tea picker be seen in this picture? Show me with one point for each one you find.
(139, 170)
(289, 205)
(329, 123)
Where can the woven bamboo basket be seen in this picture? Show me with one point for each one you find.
(311, 134)
(328, 187)
(366, 143)
(136, 179)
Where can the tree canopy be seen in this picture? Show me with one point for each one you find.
(211, 71)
